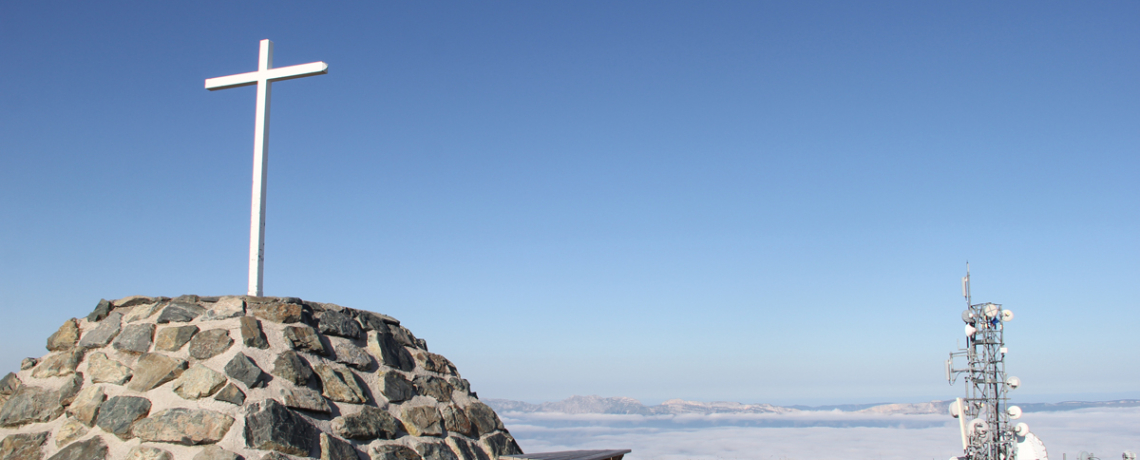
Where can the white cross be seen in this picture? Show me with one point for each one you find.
(263, 78)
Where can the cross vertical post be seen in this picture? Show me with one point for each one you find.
(263, 78)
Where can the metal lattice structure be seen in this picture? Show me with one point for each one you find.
(984, 414)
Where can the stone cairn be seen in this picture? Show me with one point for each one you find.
(209, 378)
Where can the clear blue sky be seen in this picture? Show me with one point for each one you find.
(761, 202)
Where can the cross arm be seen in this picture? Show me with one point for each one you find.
(277, 74)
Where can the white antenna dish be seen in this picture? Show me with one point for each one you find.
(967, 316)
(1085, 456)
(992, 310)
(971, 330)
(1006, 316)
(1129, 455)
(978, 427)
(1021, 429)
(954, 412)
(1013, 382)
(1014, 412)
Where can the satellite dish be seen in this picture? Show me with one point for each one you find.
(1084, 456)
(992, 310)
(1021, 429)
(1013, 382)
(978, 427)
(1014, 412)
(1129, 455)
(967, 316)
(971, 330)
(954, 410)
(1006, 316)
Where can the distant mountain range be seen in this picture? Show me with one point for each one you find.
(623, 405)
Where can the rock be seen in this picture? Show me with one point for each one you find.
(135, 338)
(461, 385)
(394, 452)
(390, 351)
(173, 338)
(251, 333)
(467, 450)
(57, 364)
(30, 404)
(483, 418)
(180, 312)
(103, 333)
(231, 394)
(225, 308)
(64, 338)
(9, 384)
(117, 414)
(336, 449)
(275, 456)
(106, 370)
(70, 387)
(455, 420)
(304, 338)
(395, 387)
(340, 384)
(184, 426)
(432, 362)
(305, 398)
(198, 382)
(28, 363)
(434, 387)
(402, 335)
(292, 367)
(371, 321)
(352, 355)
(24, 446)
(421, 421)
(69, 431)
(277, 312)
(340, 324)
(148, 453)
(211, 343)
(213, 452)
(153, 370)
(142, 312)
(132, 301)
(91, 449)
(369, 423)
(102, 309)
(271, 426)
(244, 370)
(187, 298)
(85, 407)
(435, 450)
(500, 444)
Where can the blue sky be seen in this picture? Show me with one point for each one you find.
(761, 202)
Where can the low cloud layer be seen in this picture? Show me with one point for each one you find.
(811, 435)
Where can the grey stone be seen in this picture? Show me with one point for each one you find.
(117, 414)
(184, 426)
(402, 335)
(102, 309)
(336, 449)
(305, 338)
(483, 418)
(91, 449)
(135, 338)
(70, 430)
(231, 394)
(211, 343)
(395, 387)
(24, 446)
(394, 452)
(9, 384)
(85, 406)
(141, 312)
(277, 312)
(153, 370)
(148, 453)
(434, 387)
(173, 338)
(435, 450)
(244, 370)
(198, 382)
(455, 420)
(421, 421)
(132, 301)
(225, 308)
(340, 324)
(106, 370)
(59, 364)
(371, 321)
(370, 423)
(180, 312)
(390, 351)
(64, 338)
(103, 333)
(251, 333)
(30, 404)
(70, 387)
(28, 363)
(340, 384)
(275, 456)
(292, 367)
(432, 362)
(466, 450)
(500, 444)
(187, 298)
(213, 452)
(352, 355)
(272, 426)
(305, 398)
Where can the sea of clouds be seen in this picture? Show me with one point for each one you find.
(811, 434)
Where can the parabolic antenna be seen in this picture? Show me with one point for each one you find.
(1013, 382)
(1006, 316)
(992, 310)
(1030, 447)
(1014, 412)
(971, 330)
(978, 427)
(967, 316)
(1021, 429)
(1129, 455)
(954, 409)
